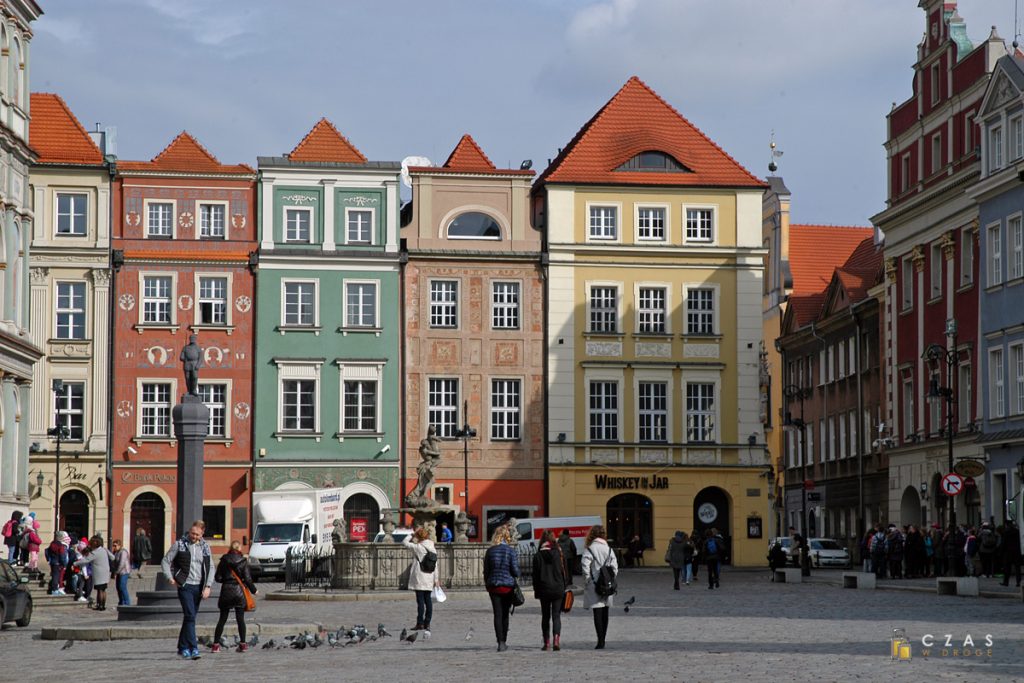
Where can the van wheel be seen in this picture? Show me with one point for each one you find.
(27, 616)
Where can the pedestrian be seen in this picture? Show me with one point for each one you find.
(445, 534)
(894, 545)
(568, 548)
(711, 558)
(878, 552)
(635, 552)
(972, 559)
(232, 574)
(598, 554)
(422, 575)
(187, 566)
(80, 575)
(939, 550)
(32, 544)
(98, 559)
(57, 558)
(501, 569)
(678, 554)
(928, 541)
(1011, 552)
(988, 543)
(123, 569)
(913, 552)
(142, 550)
(776, 558)
(695, 558)
(550, 579)
(12, 536)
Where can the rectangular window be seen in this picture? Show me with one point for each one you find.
(71, 210)
(831, 454)
(841, 359)
(995, 148)
(211, 221)
(995, 255)
(936, 84)
(603, 222)
(966, 257)
(298, 405)
(444, 303)
(996, 375)
(851, 349)
(1016, 235)
(300, 303)
(603, 309)
(156, 300)
(297, 225)
(505, 403)
(360, 406)
(604, 411)
(790, 450)
(909, 428)
(700, 225)
(935, 271)
(158, 219)
(361, 304)
(505, 305)
(443, 407)
(70, 310)
(700, 411)
(854, 446)
(964, 392)
(821, 367)
(156, 410)
(71, 410)
(700, 311)
(213, 300)
(358, 226)
(650, 223)
(1017, 398)
(830, 362)
(936, 153)
(652, 398)
(935, 407)
(1017, 137)
(907, 284)
(215, 397)
(905, 172)
(823, 433)
(842, 436)
(809, 444)
(969, 134)
(651, 310)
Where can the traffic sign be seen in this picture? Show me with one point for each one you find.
(952, 484)
(969, 482)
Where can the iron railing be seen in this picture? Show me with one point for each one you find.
(308, 566)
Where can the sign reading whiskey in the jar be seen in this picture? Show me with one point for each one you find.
(607, 481)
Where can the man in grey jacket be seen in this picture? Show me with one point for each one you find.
(187, 565)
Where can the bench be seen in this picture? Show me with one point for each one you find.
(788, 576)
(957, 585)
(865, 580)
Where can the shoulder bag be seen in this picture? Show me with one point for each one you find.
(250, 601)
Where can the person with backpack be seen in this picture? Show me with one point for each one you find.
(121, 569)
(550, 579)
(600, 568)
(98, 560)
(12, 536)
(776, 558)
(678, 555)
(422, 575)
(877, 550)
(233, 574)
(1010, 548)
(712, 549)
(501, 569)
(988, 543)
(568, 548)
(57, 558)
(894, 545)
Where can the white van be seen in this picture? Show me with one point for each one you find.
(531, 528)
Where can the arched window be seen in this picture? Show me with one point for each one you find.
(5, 61)
(74, 513)
(14, 74)
(474, 225)
(628, 515)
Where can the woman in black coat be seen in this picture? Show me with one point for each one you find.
(550, 577)
(232, 564)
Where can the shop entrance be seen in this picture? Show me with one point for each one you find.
(628, 515)
(148, 513)
(363, 517)
(74, 513)
(711, 511)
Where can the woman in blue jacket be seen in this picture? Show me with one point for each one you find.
(501, 569)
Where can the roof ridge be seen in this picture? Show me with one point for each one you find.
(318, 128)
(185, 136)
(467, 141)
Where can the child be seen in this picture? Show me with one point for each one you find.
(776, 558)
(232, 573)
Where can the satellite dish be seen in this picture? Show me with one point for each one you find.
(412, 161)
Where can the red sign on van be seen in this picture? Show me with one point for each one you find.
(358, 529)
(574, 532)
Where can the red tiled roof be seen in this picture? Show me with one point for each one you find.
(805, 307)
(815, 251)
(467, 157)
(862, 270)
(57, 136)
(184, 154)
(636, 120)
(324, 143)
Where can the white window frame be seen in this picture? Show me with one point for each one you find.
(823, 438)
(1017, 383)
(842, 435)
(139, 413)
(936, 153)
(508, 313)
(373, 222)
(715, 308)
(448, 414)
(72, 312)
(70, 216)
(605, 420)
(226, 206)
(173, 275)
(714, 414)
(511, 428)
(994, 253)
(298, 370)
(969, 143)
(67, 412)
(831, 453)
(965, 389)
(316, 303)
(909, 422)
(666, 226)
(1016, 128)
(935, 262)
(228, 298)
(710, 241)
(854, 447)
(638, 292)
(346, 324)
(146, 203)
(225, 406)
(907, 284)
(995, 148)
(935, 422)
(445, 309)
(358, 371)
(936, 84)
(997, 383)
(809, 442)
(617, 288)
(665, 412)
(851, 352)
(1015, 244)
(841, 359)
(966, 257)
(905, 172)
(600, 236)
(284, 224)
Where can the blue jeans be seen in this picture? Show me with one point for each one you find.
(122, 590)
(13, 553)
(424, 608)
(190, 595)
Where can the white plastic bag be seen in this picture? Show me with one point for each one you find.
(439, 594)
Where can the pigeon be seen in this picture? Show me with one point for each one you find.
(299, 644)
(237, 641)
(254, 640)
(411, 638)
(68, 644)
(382, 632)
(469, 633)
(205, 641)
(316, 641)
(269, 645)
(629, 603)
(401, 636)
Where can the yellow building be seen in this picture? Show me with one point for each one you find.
(653, 330)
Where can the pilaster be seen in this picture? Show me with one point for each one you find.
(100, 359)
(329, 239)
(40, 288)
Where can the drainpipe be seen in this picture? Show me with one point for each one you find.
(861, 436)
(828, 433)
(403, 261)
(115, 267)
(253, 266)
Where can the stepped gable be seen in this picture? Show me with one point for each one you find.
(184, 154)
(323, 143)
(57, 136)
(637, 120)
(815, 251)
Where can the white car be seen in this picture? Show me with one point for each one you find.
(826, 552)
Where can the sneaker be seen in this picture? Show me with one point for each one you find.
(60, 591)
(195, 654)
(81, 599)
(215, 648)
(243, 647)
(185, 654)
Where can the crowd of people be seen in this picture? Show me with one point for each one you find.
(685, 553)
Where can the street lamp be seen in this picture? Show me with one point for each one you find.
(466, 433)
(59, 432)
(935, 354)
(791, 424)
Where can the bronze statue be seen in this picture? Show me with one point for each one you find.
(192, 359)
(431, 457)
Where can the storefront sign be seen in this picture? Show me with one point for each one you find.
(148, 478)
(71, 473)
(605, 481)
(753, 527)
(707, 513)
(969, 468)
(358, 529)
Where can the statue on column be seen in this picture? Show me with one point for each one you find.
(192, 359)
(430, 453)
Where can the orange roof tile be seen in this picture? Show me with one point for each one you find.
(862, 270)
(815, 251)
(184, 154)
(805, 307)
(636, 120)
(467, 157)
(324, 143)
(57, 136)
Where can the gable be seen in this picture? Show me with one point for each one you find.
(324, 143)
(1004, 87)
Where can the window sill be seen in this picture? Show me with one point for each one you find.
(165, 238)
(617, 335)
(1014, 282)
(69, 235)
(298, 435)
(664, 336)
(62, 340)
(341, 436)
(212, 238)
(701, 337)
(994, 288)
(205, 326)
(225, 440)
(155, 439)
(375, 331)
(142, 327)
(906, 311)
(936, 299)
(284, 329)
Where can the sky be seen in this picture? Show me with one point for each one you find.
(399, 78)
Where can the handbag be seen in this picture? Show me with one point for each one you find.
(518, 599)
(567, 600)
(250, 601)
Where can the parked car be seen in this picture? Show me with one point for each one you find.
(15, 600)
(398, 534)
(826, 552)
(792, 556)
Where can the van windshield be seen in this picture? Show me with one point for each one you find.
(277, 533)
(525, 531)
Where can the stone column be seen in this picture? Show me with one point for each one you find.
(9, 442)
(24, 390)
(191, 420)
(40, 331)
(10, 273)
(100, 359)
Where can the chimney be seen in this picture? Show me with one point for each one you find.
(105, 139)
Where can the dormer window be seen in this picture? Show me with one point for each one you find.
(474, 225)
(652, 161)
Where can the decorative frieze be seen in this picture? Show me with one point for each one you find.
(604, 455)
(700, 350)
(653, 349)
(601, 348)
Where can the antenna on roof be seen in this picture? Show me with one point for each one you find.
(775, 154)
(1016, 24)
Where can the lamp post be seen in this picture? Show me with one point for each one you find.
(59, 432)
(791, 424)
(934, 354)
(466, 433)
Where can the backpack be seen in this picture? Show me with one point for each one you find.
(23, 543)
(989, 542)
(114, 562)
(711, 547)
(9, 528)
(429, 562)
(605, 584)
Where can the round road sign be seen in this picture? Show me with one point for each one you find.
(952, 484)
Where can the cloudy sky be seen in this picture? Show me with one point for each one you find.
(408, 77)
